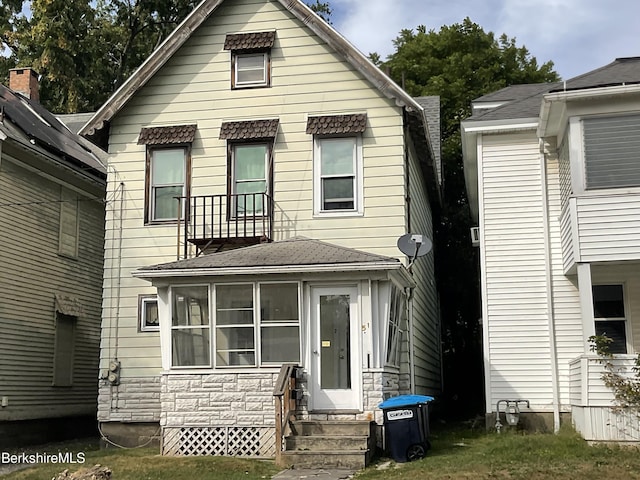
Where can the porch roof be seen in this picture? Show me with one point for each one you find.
(298, 254)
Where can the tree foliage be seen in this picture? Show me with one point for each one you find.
(85, 49)
(459, 63)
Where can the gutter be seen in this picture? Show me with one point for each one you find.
(397, 268)
(549, 290)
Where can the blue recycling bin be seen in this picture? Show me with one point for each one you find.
(406, 426)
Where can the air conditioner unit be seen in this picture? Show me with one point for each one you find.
(475, 236)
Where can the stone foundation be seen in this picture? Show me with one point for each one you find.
(135, 400)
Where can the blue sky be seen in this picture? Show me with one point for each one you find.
(577, 35)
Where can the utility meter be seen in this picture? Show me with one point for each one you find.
(114, 372)
(513, 414)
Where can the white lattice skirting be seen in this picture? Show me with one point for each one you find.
(222, 441)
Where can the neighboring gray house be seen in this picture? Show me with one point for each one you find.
(51, 252)
(553, 177)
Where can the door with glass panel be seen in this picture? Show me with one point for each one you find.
(335, 357)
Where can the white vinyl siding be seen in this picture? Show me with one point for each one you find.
(612, 151)
(516, 310)
(32, 274)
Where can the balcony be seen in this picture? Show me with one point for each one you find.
(213, 222)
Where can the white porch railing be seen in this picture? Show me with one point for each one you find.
(592, 402)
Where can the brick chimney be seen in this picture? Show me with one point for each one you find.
(25, 81)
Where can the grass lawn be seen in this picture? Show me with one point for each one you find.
(456, 455)
(147, 464)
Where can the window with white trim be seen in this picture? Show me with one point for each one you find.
(338, 174)
(397, 310)
(257, 324)
(250, 69)
(190, 328)
(609, 315)
(148, 320)
(612, 151)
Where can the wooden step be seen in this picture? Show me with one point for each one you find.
(327, 442)
(323, 459)
(332, 427)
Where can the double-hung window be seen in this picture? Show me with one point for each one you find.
(167, 171)
(250, 163)
(609, 315)
(337, 164)
(397, 309)
(167, 181)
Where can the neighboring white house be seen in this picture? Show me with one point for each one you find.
(52, 190)
(553, 177)
(257, 125)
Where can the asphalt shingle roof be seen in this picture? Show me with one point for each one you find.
(337, 124)
(523, 101)
(249, 41)
(296, 251)
(249, 129)
(167, 135)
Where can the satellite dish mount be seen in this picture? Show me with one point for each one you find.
(414, 245)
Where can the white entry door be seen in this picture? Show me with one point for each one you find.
(335, 355)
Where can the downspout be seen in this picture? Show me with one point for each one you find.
(412, 369)
(549, 289)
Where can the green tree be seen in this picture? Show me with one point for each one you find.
(323, 9)
(459, 63)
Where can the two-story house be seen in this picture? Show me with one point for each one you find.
(52, 188)
(261, 172)
(553, 179)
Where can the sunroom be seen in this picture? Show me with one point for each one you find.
(229, 321)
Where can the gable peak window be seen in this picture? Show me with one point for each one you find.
(250, 58)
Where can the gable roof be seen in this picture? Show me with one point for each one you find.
(31, 126)
(298, 254)
(200, 14)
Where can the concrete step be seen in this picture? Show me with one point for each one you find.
(332, 427)
(328, 442)
(355, 460)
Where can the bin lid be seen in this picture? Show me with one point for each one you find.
(405, 400)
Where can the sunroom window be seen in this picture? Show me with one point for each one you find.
(190, 329)
(257, 324)
(612, 151)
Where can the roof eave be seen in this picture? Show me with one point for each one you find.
(389, 266)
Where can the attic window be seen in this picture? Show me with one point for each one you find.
(250, 58)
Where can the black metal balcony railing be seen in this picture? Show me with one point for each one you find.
(214, 220)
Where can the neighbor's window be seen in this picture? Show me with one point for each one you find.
(64, 350)
(249, 165)
(609, 315)
(612, 151)
(148, 313)
(337, 174)
(397, 306)
(257, 324)
(69, 225)
(190, 329)
(167, 172)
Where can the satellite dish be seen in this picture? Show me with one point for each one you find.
(414, 245)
